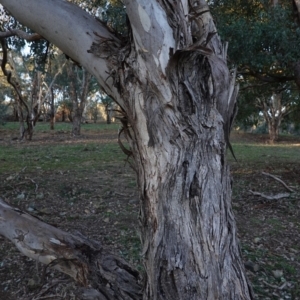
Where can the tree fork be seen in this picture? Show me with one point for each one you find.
(178, 95)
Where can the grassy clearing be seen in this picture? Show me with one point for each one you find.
(65, 154)
(87, 181)
(13, 127)
(258, 154)
(62, 157)
(269, 230)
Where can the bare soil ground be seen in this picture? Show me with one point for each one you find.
(101, 201)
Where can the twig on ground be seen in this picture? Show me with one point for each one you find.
(42, 292)
(120, 194)
(279, 180)
(36, 185)
(275, 286)
(274, 197)
(48, 297)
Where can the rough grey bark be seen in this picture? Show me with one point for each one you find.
(177, 97)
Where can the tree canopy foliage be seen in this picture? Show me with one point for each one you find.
(264, 40)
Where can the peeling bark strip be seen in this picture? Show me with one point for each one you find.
(172, 82)
(84, 260)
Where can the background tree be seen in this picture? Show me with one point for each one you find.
(3, 110)
(55, 68)
(5, 95)
(170, 77)
(109, 108)
(78, 90)
(30, 88)
(264, 39)
(93, 109)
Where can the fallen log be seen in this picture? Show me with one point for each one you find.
(102, 275)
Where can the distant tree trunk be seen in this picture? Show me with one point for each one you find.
(108, 111)
(63, 116)
(273, 112)
(34, 105)
(28, 133)
(273, 127)
(52, 110)
(15, 112)
(20, 118)
(78, 95)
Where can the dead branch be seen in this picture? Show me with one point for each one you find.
(275, 286)
(21, 34)
(84, 260)
(274, 197)
(36, 185)
(279, 180)
(46, 289)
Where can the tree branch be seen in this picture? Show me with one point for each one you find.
(21, 34)
(72, 30)
(8, 74)
(270, 78)
(274, 197)
(279, 180)
(84, 260)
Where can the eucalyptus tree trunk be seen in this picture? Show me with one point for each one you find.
(108, 111)
(20, 118)
(273, 129)
(34, 105)
(78, 93)
(52, 109)
(177, 96)
(274, 112)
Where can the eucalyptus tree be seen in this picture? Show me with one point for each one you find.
(32, 87)
(3, 109)
(264, 39)
(27, 92)
(170, 77)
(78, 88)
(92, 108)
(275, 104)
(52, 70)
(5, 94)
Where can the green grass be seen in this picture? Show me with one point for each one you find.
(13, 127)
(252, 153)
(62, 157)
(56, 156)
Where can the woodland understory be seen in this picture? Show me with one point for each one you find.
(100, 200)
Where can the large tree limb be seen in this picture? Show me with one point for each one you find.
(72, 30)
(84, 260)
(21, 34)
(8, 74)
(269, 78)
